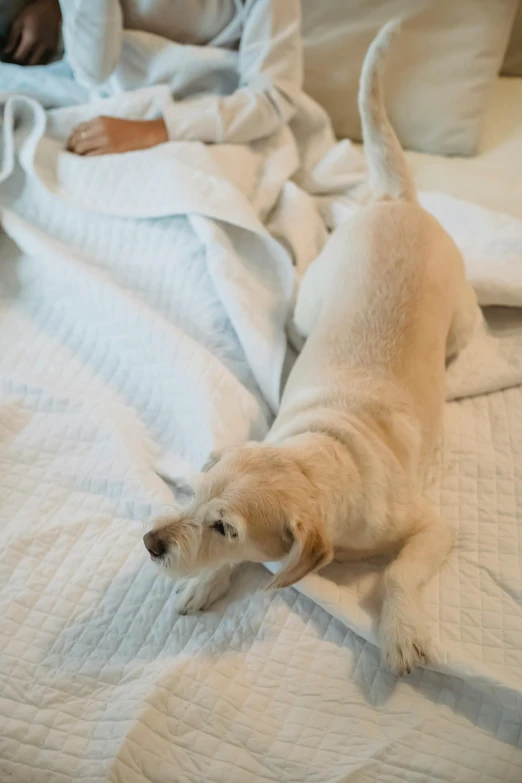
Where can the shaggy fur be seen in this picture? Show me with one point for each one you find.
(341, 471)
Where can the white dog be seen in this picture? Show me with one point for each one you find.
(340, 473)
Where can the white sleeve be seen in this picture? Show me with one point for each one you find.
(92, 36)
(270, 79)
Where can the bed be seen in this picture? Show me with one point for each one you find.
(100, 678)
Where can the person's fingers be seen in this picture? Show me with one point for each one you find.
(25, 47)
(37, 56)
(85, 133)
(103, 150)
(73, 141)
(70, 142)
(13, 39)
(75, 136)
(84, 144)
(47, 56)
(88, 128)
(90, 145)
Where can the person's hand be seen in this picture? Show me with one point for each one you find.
(106, 135)
(35, 33)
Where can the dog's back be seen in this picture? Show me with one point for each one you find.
(378, 304)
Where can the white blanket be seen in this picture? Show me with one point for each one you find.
(141, 325)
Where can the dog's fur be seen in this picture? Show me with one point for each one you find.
(340, 473)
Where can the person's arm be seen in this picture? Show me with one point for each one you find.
(270, 69)
(92, 34)
(270, 73)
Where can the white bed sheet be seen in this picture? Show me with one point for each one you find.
(100, 679)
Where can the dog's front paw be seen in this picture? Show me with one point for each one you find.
(191, 596)
(198, 593)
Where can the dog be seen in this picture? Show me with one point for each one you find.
(340, 474)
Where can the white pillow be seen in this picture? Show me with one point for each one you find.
(438, 74)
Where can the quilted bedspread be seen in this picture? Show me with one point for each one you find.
(134, 339)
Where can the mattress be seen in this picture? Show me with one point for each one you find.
(100, 679)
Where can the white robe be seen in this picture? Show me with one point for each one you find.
(114, 46)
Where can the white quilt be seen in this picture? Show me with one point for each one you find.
(142, 306)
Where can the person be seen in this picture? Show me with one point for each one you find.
(265, 34)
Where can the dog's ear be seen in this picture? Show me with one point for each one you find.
(183, 491)
(183, 487)
(310, 551)
(212, 459)
(215, 456)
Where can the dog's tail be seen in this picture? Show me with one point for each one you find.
(389, 174)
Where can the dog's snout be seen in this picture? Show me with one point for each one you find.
(154, 544)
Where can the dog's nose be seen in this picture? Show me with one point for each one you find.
(154, 544)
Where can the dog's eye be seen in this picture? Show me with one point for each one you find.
(223, 529)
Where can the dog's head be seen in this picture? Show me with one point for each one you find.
(251, 504)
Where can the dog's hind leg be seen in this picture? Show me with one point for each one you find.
(403, 634)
